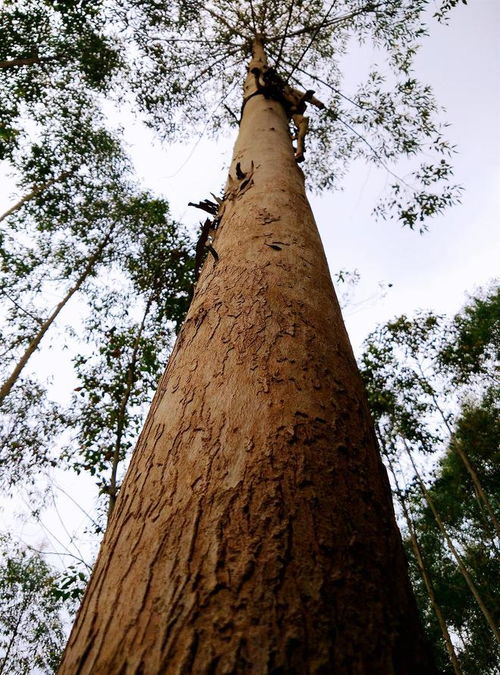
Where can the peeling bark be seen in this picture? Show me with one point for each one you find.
(254, 531)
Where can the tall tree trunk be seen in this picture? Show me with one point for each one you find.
(436, 607)
(37, 189)
(254, 531)
(452, 548)
(7, 385)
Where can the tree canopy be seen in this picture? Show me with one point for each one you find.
(433, 394)
(180, 67)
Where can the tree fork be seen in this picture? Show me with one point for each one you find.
(254, 531)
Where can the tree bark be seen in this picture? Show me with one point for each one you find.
(254, 531)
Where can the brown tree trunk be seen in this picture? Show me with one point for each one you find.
(254, 531)
(28, 61)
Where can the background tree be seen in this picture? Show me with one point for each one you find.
(262, 166)
(131, 300)
(430, 387)
(74, 225)
(118, 376)
(31, 624)
(54, 59)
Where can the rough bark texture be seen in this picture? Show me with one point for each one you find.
(254, 532)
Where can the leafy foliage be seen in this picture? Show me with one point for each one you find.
(429, 381)
(29, 422)
(474, 341)
(182, 65)
(469, 525)
(54, 57)
(31, 630)
(128, 346)
(81, 226)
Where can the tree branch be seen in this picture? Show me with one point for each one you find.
(28, 61)
(376, 154)
(25, 311)
(36, 191)
(317, 26)
(6, 387)
(218, 17)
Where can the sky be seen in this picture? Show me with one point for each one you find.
(432, 271)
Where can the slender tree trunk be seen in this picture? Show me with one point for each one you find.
(254, 531)
(37, 189)
(27, 61)
(112, 488)
(14, 634)
(6, 387)
(421, 566)
(452, 548)
(482, 498)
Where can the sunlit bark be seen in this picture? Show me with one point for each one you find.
(254, 531)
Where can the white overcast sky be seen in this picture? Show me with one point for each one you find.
(431, 271)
